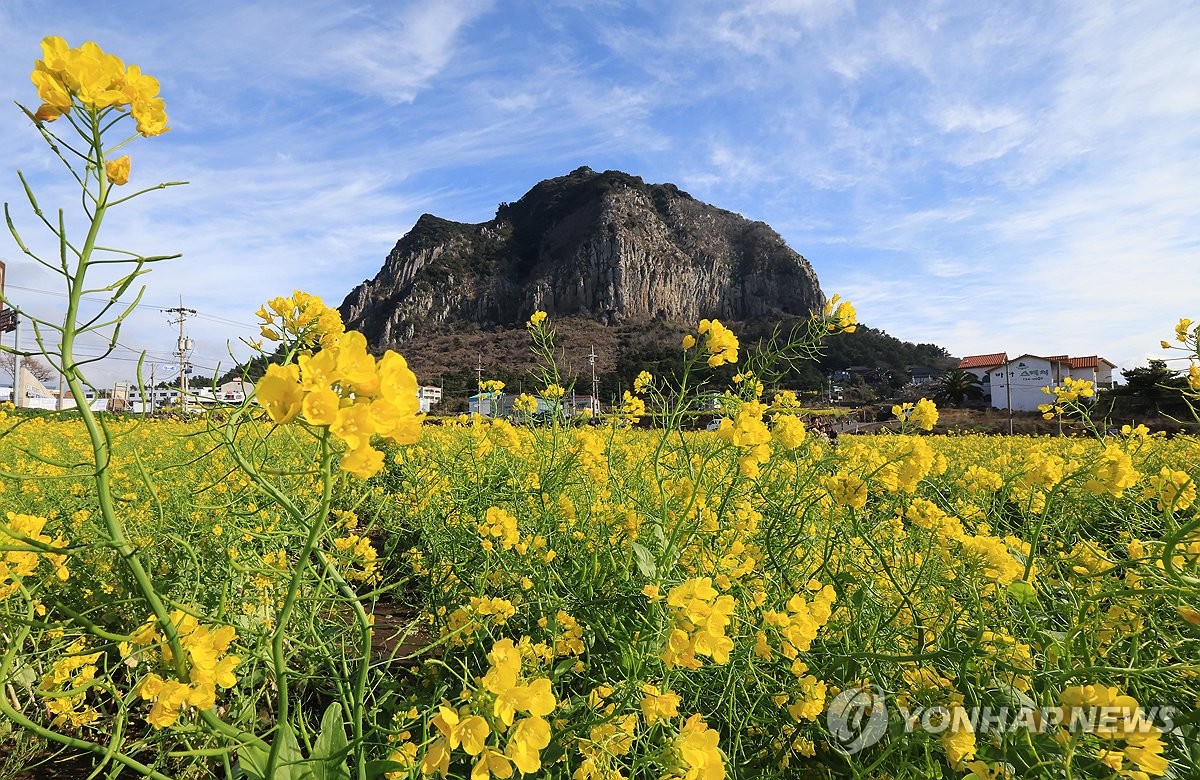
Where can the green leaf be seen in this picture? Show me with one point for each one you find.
(329, 751)
(1022, 592)
(291, 764)
(376, 769)
(252, 762)
(644, 560)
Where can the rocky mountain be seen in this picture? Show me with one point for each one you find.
(605, 247)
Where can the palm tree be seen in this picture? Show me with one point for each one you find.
(956, 387)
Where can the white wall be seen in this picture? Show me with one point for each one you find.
(1027, 376)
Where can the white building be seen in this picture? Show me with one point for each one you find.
(428, 395)
(582, 405)
(49, 402)
(234, 391)
(1018, 383)
(487, 404)
(156, 399)
(1094, 369)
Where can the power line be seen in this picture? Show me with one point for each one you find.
(140, 305)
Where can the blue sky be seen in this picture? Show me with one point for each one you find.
(985, 176)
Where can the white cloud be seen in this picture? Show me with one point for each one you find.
(396, 55)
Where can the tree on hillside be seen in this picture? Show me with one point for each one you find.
(956, 387)
(33, 365)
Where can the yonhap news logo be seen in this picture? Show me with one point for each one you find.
(858, 718)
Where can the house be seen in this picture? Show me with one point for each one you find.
(981, 366)
(490, 404)
(1094, 369)
(234, 392)
(923, 375)
(428, 395)
(582, 404)
(1018, 383)
(155, 398)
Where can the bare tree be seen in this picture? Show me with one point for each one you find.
(35, 366)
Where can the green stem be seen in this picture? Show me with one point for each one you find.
(278, 660)
(101, 445)
(360, 678)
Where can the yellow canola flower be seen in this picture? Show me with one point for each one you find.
(342, 387)
(503, 678)
(1182, 328)
(280, 392)
(1071, 389)
(98, 81)
(16, 564)
(117, 171)
(356, 368)
(363, 462)
(320, 406)
(529, 736)
(720, 343)
(491, 764)
(304, 318)
(840, 316)
(500, 525)
(788, 431)
(632, 408)
(698, 751)
(658, 705)
(354, 425)
(1175, 490)
(847, 490)
(959, 739)
(471, 732)
(525, 404)
(209, 666)
(923, 413)
(698, 620)
(437, 758)
(1113, 474)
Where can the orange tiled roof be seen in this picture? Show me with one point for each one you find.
(982, 361)
(1091, 361)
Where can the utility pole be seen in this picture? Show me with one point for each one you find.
(1008, 393)
(479, 388)
(184, 347)
(152, 367)
(595, 402)
(9, 320)
(18, 364)
(7, 323)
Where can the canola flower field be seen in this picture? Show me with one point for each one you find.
(316, 585)
(608, 602)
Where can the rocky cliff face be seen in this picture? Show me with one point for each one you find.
(605, 246)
